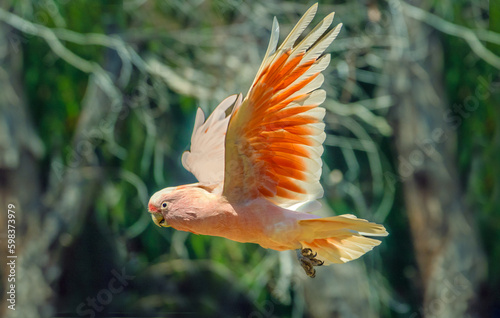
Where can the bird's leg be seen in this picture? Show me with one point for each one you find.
(307, 259)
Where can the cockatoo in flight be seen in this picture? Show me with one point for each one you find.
(258, 161)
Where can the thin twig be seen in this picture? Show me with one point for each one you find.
(60, 50)
(470, 36)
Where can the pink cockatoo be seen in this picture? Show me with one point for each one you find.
(258, 162)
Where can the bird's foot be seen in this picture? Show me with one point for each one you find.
(307, 259)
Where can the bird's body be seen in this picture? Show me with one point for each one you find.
(257, 221)
(258, 161)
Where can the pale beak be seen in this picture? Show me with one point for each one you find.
(159, 220)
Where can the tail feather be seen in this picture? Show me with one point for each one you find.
(340, 239)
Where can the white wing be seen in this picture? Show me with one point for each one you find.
(205, 160)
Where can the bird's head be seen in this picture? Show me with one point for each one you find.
(172, 205)
(159, 205)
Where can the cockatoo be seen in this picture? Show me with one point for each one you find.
(258, 161)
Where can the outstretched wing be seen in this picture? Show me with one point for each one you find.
(205, 160)
(274, 140)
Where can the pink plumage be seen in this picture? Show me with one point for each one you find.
(259, 167)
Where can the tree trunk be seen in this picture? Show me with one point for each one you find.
(41, 224)
(20, 148)
(449, 256)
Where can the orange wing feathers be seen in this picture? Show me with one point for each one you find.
(274, 140)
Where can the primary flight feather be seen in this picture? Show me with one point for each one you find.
(258, 161)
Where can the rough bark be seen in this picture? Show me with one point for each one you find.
(42, 216)
(20, 148)
(448, 252)
(341, 291)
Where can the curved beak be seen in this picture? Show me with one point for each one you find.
(159, 219)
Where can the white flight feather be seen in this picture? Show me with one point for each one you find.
(205, 160)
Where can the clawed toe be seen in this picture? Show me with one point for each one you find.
(307, 259)
(317, 262)
(309, 253)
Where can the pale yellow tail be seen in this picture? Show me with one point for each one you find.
(340, 239)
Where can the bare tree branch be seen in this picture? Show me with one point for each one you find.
(471, 37)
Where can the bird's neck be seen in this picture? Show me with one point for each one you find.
(201, 212)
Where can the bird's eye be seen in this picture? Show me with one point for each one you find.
(164, 205)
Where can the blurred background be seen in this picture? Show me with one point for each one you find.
(97, 103)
